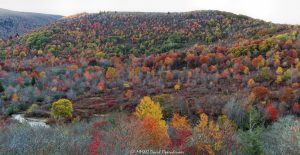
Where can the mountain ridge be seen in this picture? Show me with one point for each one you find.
(144, 33)
(17, 23)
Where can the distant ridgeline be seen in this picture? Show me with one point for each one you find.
(135, 33)
(14, 23)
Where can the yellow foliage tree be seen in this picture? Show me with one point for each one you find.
(62, 108)
(279, 70)
(148, 107)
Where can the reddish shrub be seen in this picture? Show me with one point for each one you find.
(51, 120)
(101, 86)
(296, 107)
(168, 61)
(260, 92)
(271, 112)
(212, 68)
(225, 74)
(287, 94)
(220, 57)
(204, 59)
(190, 57)
(258, 61)
(20, 80)
(94, 145)
(180, 138)
(3, 122)
(99, 124)
(295, 85)
(169, 75)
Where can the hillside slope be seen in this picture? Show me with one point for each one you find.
(100, 60)
(13, 22)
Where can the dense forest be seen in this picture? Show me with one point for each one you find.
(202, 82)
(13, 23)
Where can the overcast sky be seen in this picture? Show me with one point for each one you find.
(278, 11)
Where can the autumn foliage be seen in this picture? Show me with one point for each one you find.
(62, 108)
(180, 122)
(209, 137)
(151, 115)
(182, 130)
(112, 62)
(272, 113)
(157, 131)
(260, 92)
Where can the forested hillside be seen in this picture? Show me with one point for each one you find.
(14, 23)
(202, 82)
